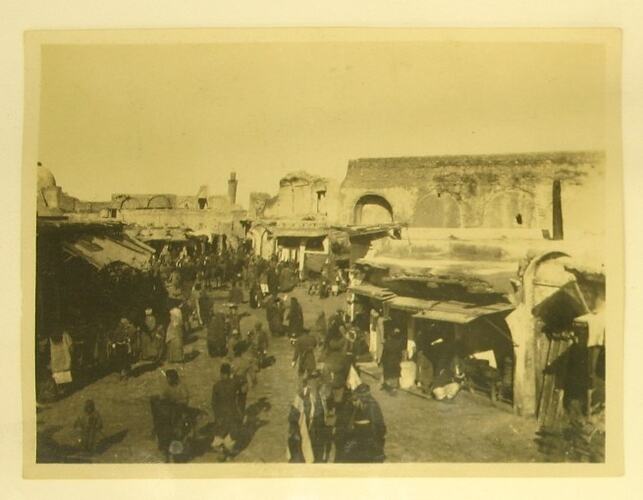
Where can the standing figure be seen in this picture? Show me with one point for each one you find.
(260, 344)
(321, 328)
(273, 316)
(151, 338)
(272, 279)
(367, 429)
(174, 337)
(295, 318)
(244, 371)
(391, 359)
(304, 354)
(217, 335)
(60, 352)
(121, 347)
(307, 433)
(227, 416)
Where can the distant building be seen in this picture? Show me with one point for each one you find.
(51, 200)
(301, 195)
(203, 214)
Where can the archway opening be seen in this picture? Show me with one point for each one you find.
(372, 209)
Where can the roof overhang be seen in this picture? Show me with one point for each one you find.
(461, 313)
(100, 251)
(372, 291)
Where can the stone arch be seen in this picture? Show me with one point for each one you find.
(159, 201)
(130, 203)
(509, 209)
(372, 209)
(436, 210)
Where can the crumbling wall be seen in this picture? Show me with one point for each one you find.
(481, 191)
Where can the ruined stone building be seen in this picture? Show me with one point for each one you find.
(479, 191)
(301, 196)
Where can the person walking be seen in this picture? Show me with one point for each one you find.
(304, 355)
(307, 431)
(225, 408)
(295, 318)
(217, 335)
(244, 371)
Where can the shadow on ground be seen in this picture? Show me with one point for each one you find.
(51, 451)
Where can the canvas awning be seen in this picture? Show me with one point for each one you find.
(372, 291)
(100, 251)
(411, 304)
(460, 312)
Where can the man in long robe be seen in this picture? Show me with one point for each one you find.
(122, 340)
(273, 316)
(308, 433)
(367, 429)
(151, 338)
(295, 318)
(304, 354)
(391, 359)
(244, 370)
(227, 416)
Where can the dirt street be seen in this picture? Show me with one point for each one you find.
(469, 429)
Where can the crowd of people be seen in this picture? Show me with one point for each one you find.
(334, 417)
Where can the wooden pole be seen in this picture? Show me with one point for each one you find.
(557, 211)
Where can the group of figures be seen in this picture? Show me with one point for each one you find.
(334, 417)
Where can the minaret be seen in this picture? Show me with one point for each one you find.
(232, 188)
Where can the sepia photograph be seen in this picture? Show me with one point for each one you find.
(312, 246)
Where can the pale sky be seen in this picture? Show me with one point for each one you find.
(169, 118)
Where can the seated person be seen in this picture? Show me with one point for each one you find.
(448, 381)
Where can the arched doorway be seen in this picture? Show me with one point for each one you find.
(372, 209)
